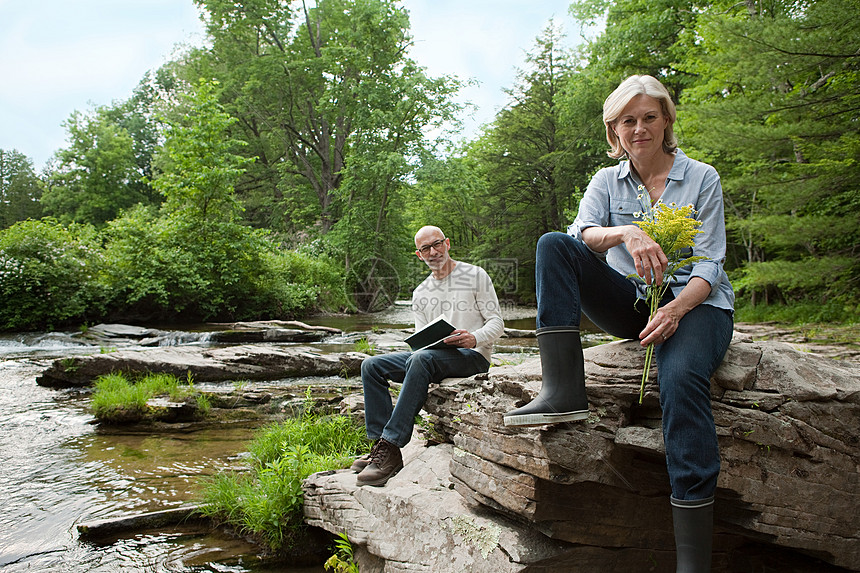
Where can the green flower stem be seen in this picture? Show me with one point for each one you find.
(649, 352)
(654, 294)
(674, 229)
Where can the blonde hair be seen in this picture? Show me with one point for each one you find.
(618, 100)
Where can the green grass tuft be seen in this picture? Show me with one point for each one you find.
(365, 346)
(117, 399)
(267, 502)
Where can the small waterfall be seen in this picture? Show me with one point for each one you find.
(181, 338)
(40, 344)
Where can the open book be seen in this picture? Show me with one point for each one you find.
(431, 336)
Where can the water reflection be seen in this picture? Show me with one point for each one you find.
(138, 473)
(172, 550)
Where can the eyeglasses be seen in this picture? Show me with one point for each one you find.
(425, 250)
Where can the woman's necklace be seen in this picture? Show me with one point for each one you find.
(652, 189)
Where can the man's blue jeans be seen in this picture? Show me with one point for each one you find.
(416, 370)
(571, 280)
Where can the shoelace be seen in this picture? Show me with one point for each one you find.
(378, 453)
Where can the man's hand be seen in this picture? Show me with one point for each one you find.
(461, 339)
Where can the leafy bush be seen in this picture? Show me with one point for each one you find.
(167, 267)
(47, 275)
(268, 502)
(156, 267)
(143, 269)
(293, 283)
(833, 311)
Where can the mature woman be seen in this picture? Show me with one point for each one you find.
(586, 271)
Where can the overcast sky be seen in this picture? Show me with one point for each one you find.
(58, 56)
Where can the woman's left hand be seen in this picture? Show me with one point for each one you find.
(662, 325)
(665, 321)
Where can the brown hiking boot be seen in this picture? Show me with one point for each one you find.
(361, 462)
(385, 461)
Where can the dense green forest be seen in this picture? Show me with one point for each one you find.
(283, 167)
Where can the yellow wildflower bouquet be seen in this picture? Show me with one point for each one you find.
(674, 229)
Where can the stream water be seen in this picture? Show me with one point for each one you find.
(57, 469)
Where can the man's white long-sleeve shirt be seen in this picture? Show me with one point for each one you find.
(468, 300)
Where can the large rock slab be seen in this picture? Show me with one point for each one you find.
(418, 523)
(235, 333)
(787, 425)
(241, 362)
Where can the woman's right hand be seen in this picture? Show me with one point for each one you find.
(649, 258)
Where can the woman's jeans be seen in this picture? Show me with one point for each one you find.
(416, 370)
(570, 280)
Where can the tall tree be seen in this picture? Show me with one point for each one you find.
(386, 139)
(194, 257)
(20, 189)
(641, 37)
(312, 85)
(198, 165)
(335, 113)
(95, 177)
(530, 162)
(777, 111)
(448, 191)
(139, 116)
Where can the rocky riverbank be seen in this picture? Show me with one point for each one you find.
(840, 342)
(593, 496)
(590, 494)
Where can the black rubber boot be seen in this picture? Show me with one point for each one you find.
(694, 529)
(562, 396)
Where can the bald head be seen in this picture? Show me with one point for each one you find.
(432, 248)
(428, 234)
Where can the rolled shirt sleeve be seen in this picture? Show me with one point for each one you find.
(594, 207)
(711, 242)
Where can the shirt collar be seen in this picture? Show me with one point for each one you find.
(679, 167)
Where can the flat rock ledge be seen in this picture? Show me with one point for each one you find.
(593, 495)
(240, 362)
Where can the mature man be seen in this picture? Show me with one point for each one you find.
(463, 293)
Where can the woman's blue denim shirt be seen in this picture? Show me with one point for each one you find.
(610, 201)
